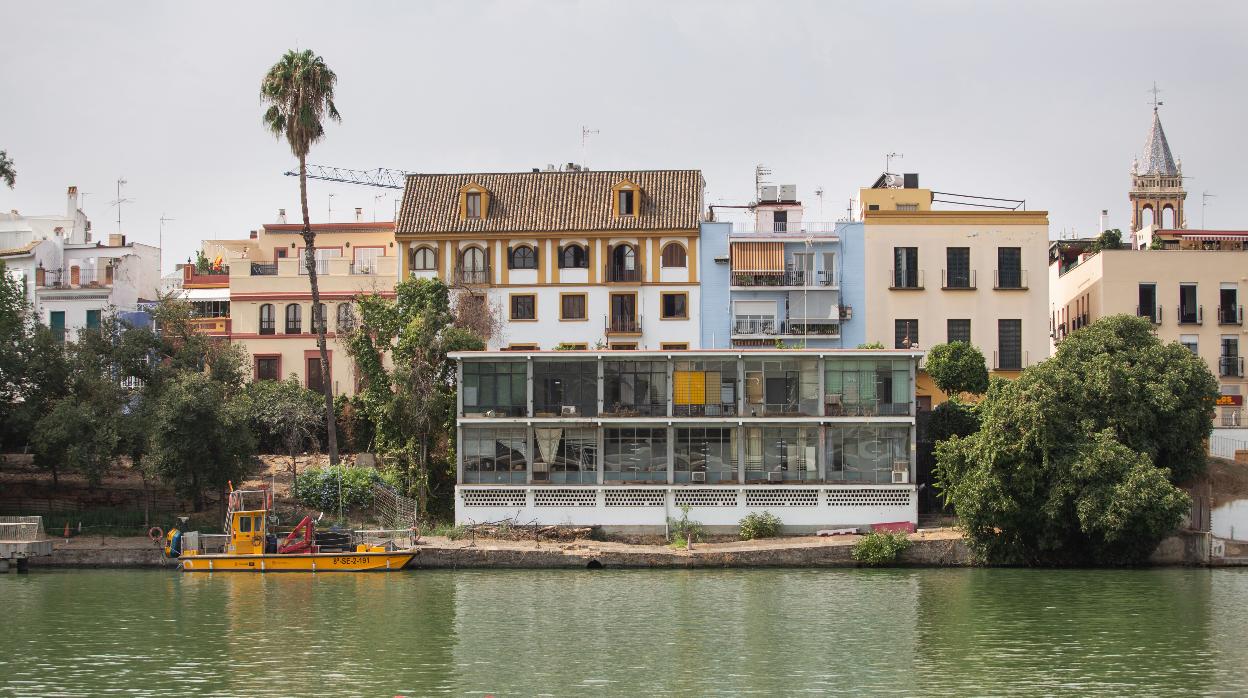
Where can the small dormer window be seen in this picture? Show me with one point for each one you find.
(474, 202)
(627, 203)
(472, 205)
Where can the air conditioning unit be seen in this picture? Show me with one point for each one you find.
(901, 472)
(568, 410)
(847, 312)
(788, 192)
(775, 476)
(769, 192)
(697, 477)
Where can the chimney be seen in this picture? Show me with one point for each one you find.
(281, 215)
(116, 240)
(253, 235)
(359, 215)
(71, 203)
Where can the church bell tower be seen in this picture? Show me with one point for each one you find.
(1157, 192)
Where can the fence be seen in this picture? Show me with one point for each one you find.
(1225, 447)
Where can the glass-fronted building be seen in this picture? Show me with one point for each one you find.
(820, 437)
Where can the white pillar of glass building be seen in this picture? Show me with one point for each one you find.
(823, 438)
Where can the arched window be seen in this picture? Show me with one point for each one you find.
(318, 317)
(573, 257)
(472, 267)
(523, 257)
(346, 317)
(268, 323)
(1146, 217)
(623, 264)
(294, 319)
(424, 259)
(674, 255)
(1167, 218)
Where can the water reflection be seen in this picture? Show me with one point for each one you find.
(930, 632)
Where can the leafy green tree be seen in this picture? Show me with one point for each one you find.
(1074, 461)
(200, 438)
(285, 413)
(77, 436)
(8, 171)
(953, 417)
(299, 90)
(1108, 240)
(412, 405)
(957, 368)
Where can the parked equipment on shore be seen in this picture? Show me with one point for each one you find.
(249, 546)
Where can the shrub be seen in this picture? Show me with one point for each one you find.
(760, 525)
(957, 367)
(880, 548)
(450, 530)
(683, 531)
(318, 487)
(952, 418)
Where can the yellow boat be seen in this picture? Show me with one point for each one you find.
(249, 547)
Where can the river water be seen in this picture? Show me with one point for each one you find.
(626, 632)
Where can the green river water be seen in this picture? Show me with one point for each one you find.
(626, 632)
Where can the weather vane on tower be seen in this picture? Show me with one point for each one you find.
(1156, 92)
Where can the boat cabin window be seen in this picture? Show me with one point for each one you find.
(244, 524)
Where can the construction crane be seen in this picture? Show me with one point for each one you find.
(380, 177)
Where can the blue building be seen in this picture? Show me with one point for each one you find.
(782, 280)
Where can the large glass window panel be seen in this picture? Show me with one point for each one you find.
(635, 388)
(777, 386)
(704, 388)
(781, 454)
(711, 451)
(498, 387)
(495, 455)
(867, 387)
(566, 456)
(635, 455)
(866, 453)
(565, 388)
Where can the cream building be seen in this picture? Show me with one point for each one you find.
(940, 276)
(268, 306)
(572, 257)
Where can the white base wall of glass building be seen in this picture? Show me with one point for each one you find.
(646, 509)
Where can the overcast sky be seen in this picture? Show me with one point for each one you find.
(1046, 102)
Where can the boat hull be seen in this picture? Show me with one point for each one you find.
(318, 562)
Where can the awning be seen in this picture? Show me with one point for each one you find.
(1216, 238)
(758, 257)
(205, 294)
(814, 305)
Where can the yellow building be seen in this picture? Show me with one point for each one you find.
(958, 275)
(269, 300)
(590, 259)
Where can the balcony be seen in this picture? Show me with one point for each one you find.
(1231, 366)
(369, 268)
(771, 327)
(905, 279)
(1191, 315)
(294, 267)
(958, 281)
(472, 277)
(615, 273)
(1153, 313)
(787, 279)
(321, 266)
(218, 277)
(1230, 314)
(822, 230)
(1009, 279)
(622, 324)
(74, 277)
(260, 269)
(1010, 361)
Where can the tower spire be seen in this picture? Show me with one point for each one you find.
(1157, 192)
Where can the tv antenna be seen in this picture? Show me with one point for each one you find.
(819, 194)
(330, 218)
(888, 161)
(375, 200)
(160, 243)
(586, 132)
(1204, 199)
(121, 181)
(760, 178)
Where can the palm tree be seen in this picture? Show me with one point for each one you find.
(299, 90)
(7, 172)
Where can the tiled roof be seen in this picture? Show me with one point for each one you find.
(1157, 157)
(552, 201)
(24, 249)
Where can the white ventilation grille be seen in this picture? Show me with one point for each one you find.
(634, 497)
(565, 498)
(869, 497)
(782, 497)
(494, 497)
(706, 497)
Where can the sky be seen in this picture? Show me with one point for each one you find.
(1047, 102)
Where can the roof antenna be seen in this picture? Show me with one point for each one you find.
(888, 161)
(586, 132)
(121, 181)
(1204, 199)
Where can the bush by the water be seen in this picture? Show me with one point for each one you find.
(318, 488)
(880, 547)
(760, 525)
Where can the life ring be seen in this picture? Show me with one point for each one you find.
(155, 533)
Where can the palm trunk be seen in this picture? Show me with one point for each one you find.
(309, 255)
